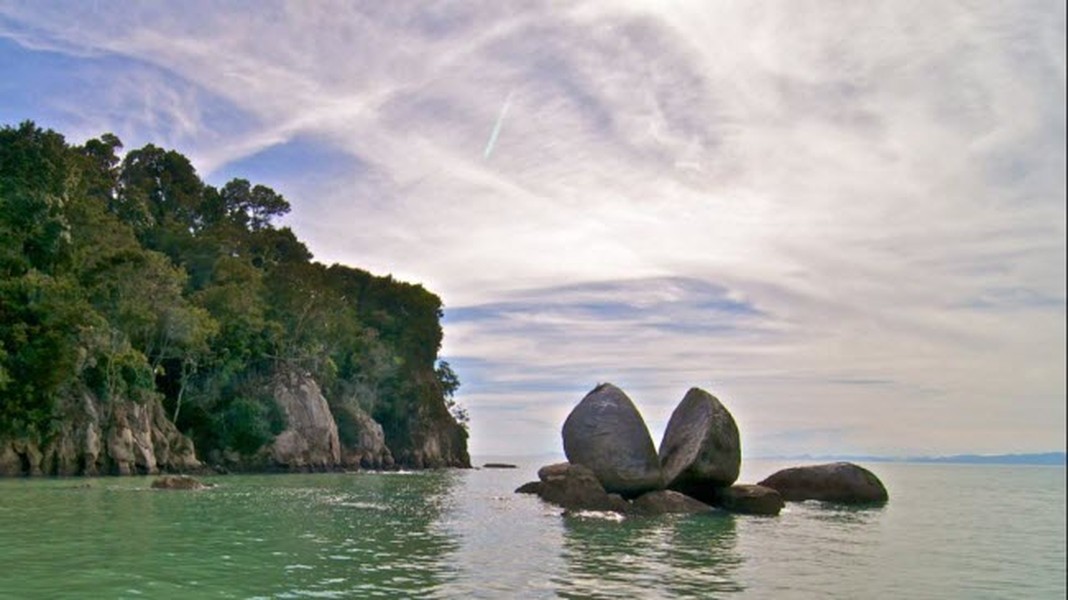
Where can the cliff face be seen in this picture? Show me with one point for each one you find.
(123, 437)
(310, 440)
(364, 444)
(433, 439)
(317, 437)
(118, 437)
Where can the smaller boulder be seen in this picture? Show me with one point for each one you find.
(664, 502)
(553, 471)
(841, 482)
(530, 487)
(577, 489)
(178, 482)
(750, 500)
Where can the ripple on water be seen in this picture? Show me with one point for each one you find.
(946, 533)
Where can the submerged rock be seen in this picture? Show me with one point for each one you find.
(178, 482)
(494, 465)
(750, 499)
(701, 447)
(606, 433)
(662, 502)
(842, 482)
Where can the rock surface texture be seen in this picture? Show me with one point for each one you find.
(606, 433)
(310, 440)
(750, 500)
(364, 444)
(701, 446)
(118, 437)
(662, 502)
(575, 488)
(841, 482)
(432, 439)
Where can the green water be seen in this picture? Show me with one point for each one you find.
(948, 532)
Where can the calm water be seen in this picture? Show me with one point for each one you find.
(948, 532)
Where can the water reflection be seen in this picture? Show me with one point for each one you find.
(251, 537)
(676, 556)
(844, 514)
(370, 534)
(860, 514)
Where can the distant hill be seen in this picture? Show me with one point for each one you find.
(1044, 458)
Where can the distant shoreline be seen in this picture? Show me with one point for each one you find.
(1039, 458)
(1043, 458)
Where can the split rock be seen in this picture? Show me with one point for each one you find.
(606, 433)
(701, 447)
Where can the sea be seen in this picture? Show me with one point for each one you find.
(948, 531)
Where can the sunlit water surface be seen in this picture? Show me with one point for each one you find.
(947, 532)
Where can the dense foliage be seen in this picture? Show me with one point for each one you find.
(132, 278)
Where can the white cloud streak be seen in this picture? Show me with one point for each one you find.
(883, 183)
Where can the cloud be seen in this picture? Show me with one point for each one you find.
(782, 201)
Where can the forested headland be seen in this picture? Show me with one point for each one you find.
(151, 322)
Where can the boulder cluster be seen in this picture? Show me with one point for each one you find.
(614, 466)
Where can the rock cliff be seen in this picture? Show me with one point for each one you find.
(310, 440)
(116, 437)
(434, 440)
(123, 437)
(363, 442)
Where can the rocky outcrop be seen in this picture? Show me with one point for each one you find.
(606, 433)
(436, 444)
(609, 450)
(363, 443)
(841, 482)
(116, 437)
(310, 441)
(552, 471)
(663, 502)
(425, 435)
(575, 488)
(749, 499)
(701, 447)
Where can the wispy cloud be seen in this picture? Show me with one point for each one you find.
(785, 202)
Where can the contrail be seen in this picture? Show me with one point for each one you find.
(497, 127)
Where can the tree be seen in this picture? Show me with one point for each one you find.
(34, 183)
(251, 207)
(449, 383)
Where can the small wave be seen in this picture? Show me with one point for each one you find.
(602, 515)
(364, 505)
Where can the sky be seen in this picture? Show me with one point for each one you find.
(846, 220)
